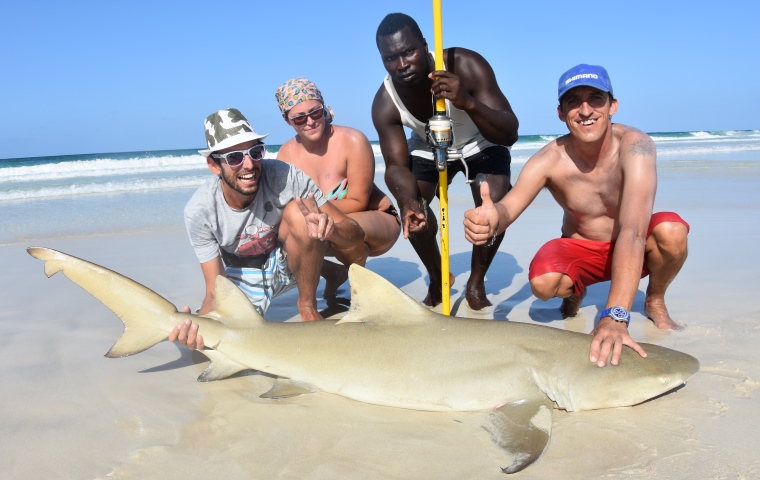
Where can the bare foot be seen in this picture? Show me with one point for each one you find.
(476, 297)
(572, 304)
(309, 313)
(656, 310)
(335, 275)
(434, 292)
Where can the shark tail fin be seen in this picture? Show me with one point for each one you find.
(373, 297)
(147, 316)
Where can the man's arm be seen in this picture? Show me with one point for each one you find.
(470, 85)
(395, 150)
(211, 270)
(490, 219)
(329, 223)
(638, 162)
(186, 334)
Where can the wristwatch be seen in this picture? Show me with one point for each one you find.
(619, 314)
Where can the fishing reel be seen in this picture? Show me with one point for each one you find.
(440, 135)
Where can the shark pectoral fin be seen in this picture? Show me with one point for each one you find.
(376, 300)
(232, 306)
(522, 430)
(220, 367)
(285, 388)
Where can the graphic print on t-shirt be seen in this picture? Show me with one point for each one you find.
(256, 241)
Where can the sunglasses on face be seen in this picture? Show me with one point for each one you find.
(302, 119)
(235, 159)
(595, 100)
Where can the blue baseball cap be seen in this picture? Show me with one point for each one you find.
(586, 75)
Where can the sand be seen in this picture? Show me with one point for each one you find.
(68, 412)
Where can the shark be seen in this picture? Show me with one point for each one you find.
(390, 350)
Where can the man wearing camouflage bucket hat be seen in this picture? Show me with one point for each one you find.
(262, 223)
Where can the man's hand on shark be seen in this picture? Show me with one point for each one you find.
(611, 335)
(186, 334)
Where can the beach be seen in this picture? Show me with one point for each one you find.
(68, 412)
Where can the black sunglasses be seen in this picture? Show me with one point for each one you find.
(302, 119)
(235, 159)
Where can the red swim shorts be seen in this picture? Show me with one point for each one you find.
(586, 262)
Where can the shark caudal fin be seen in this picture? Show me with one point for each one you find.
(376, 300)
(148, 317)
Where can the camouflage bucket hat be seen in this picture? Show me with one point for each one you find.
(227, 128)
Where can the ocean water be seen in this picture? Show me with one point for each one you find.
(43, 197)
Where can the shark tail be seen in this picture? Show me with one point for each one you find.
(147, 316)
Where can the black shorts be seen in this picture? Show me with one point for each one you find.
(493, 160)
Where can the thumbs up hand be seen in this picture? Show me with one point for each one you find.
(482, 223)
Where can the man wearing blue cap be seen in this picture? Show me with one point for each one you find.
(604, 177)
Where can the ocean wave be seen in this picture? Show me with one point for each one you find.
(525, 146)
(114, 173)
(101, 167)
(692, 150)
(728, 135)
(100, 188)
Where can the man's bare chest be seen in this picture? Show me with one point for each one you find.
(595, 194)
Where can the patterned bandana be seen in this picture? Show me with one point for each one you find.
(226, 128)
(297, 90)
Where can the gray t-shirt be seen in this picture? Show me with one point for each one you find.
(245, 238)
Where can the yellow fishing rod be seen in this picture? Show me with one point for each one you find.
(440, 135)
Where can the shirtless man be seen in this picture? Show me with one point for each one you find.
(341, 162)
(484, 126)
(604, 177)
(263, 224)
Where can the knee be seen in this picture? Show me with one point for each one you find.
(544, 286)
(499, 185)
(292, 216)
(292, 229)
(671, 239)
(354, 253)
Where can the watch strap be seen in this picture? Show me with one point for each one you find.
(614, 313)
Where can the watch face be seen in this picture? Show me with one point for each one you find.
(619, 313)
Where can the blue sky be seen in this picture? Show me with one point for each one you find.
(97, 76)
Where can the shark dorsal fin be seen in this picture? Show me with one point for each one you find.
(232, 306)
(376, 300)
